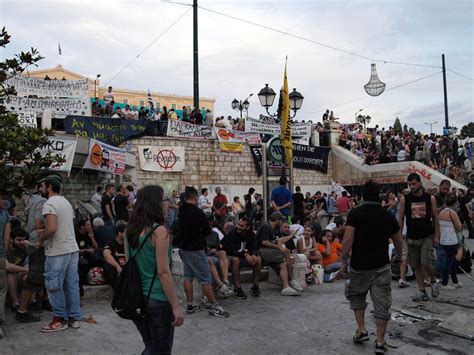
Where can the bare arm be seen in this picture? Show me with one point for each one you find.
(328, 249)
(6, 236)
(401, 212)
(397, 242)
(161, 242)
(268, 244)
(457, 223)
(434, 211)
(347, 244)
(15, 268)
(94, 242)
(51, 227)
(111, 261)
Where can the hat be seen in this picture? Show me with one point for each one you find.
(331, 226)
(275, 216)
(51, 177)
(98, 222)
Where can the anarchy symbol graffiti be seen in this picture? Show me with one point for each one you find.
(166, 159)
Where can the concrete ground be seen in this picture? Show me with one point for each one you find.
(317, 322)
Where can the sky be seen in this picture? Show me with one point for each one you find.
(237, 58)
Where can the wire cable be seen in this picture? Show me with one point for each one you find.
(316, 42)
(464, 76)
(149, 45)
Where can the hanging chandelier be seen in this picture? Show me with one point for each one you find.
(374, 87)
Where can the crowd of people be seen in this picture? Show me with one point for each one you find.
(51, 258)
(447, 154)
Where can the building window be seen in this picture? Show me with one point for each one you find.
(173, 106)
(142, 103)
(125, 101)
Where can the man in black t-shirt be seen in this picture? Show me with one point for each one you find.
(248, 204)
(88, 258)
(114, 255)
(366, 240)
(121, 203)
(298, 203)
(106, 205)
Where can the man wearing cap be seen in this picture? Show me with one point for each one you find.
(273, 254)
(62, 257)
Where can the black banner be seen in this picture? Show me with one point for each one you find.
(112, 131)
(311, 158)
(256, 151)
(304, 157)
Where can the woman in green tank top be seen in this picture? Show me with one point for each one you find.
(146, 225)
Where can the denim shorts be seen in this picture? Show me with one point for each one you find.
(196, 266)
(214, 259)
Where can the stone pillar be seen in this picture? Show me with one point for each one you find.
(334, 132)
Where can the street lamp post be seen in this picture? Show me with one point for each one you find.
(267, 97)
(365, 120)
(95, 85)
(241, 106)
(431, 125)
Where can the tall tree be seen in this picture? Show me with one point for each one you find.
(20, 160)
(397, 126)
(468, 130)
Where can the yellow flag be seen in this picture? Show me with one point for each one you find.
(285, 122)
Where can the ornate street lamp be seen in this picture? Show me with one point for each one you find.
(241, 106)
(267, 97)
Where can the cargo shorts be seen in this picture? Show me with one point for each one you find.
(378, 283)
(420, 252)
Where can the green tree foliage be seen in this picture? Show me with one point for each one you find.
(412, 131)
(397, 126)
(20, 161)
(468, 130)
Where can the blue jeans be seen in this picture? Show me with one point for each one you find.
(451, 265)
(61, 279)
(156, 329)
(330, 269)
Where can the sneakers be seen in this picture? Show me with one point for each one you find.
(205, 302)
(420, 297)
(359, 337)
(289, 291)
(26, 317)
(192, 308)
(296, 286)
(255, 291)
(240, 293)
(56, 325)
(217, 311)
(403, 283)
(448, 287)
(435, 290)
(458, 285)
(225, 292)
(73, 323)
(381, 348)
(309, 278)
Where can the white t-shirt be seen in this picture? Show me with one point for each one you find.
(202, 201)
(109, 96)
(64, 240)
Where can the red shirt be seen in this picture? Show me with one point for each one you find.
(343, 204)
(218, 202)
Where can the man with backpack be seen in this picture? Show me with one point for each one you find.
(194, 228)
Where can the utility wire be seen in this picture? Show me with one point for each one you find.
(150, 44)
(366, 96)
(316, 42)
(464, 76)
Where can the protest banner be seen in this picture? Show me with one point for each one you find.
(27, 119)
(233, 141)
(62, 147)
(162, 159)
(59, 108)
(311, 158)
(105, 158)
(108, 130)
(299, 129)
(188, 130)
(304, 157)
(25, 86)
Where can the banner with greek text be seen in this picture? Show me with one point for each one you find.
(299, 129)
(105, 158)
(62, 147)
(27, 119)
(188, 130)
(25, 86)
(108, 130)
(162, 159)
(59, 108)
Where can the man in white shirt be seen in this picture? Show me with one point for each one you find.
(203, 201)
(62, 257)
(96, 199)
(109, 95)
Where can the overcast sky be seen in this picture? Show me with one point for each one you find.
(237, 58)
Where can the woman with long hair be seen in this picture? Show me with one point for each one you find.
(146, 226)
(449, 225)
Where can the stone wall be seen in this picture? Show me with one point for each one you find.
(207, 166)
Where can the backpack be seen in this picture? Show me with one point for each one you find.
(128, 301)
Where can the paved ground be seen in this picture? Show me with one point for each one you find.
(317, 322)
